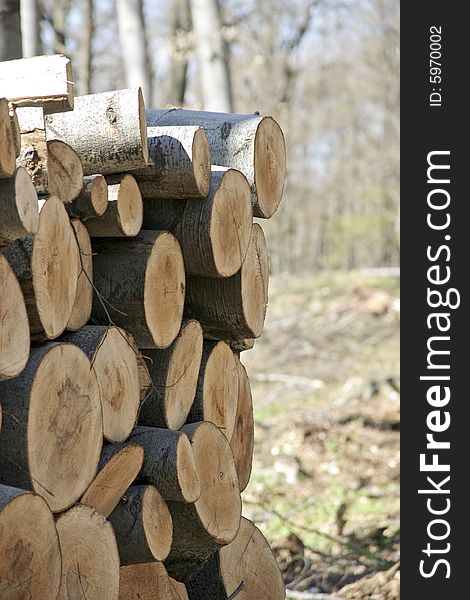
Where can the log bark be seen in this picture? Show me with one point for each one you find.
(174, 374)
(90, 558)
(14, 325)
(15, 128)
(234, 307)
(143, 282)
(30, 557)
(44, 81)
(46, 266)
(143, 526)
(248, 559)
(214, 232)
(18, 207)
(92, 201)
(201, 528)
(54, 166)
(81, 310)
(117, 470)
(242, 439)
(217, 388)
(107, 130)
(7, 141)
(253, 144)
(169, 463)
(242, 345)
(180, 166)
(52, 434)
(147, 582)
(114, 360)
(123, 215)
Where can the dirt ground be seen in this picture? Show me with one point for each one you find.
(325, 483)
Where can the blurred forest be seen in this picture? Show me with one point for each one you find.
(327, 70)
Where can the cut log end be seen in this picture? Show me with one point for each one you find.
(81, 309)
(164, 290)
(14, 325)
(7, 141)
(64, 426)
(157, 523)
(93, 199)
(30, 555)
(147, 582)
(201, 161)
(19, 207)
(143, 126)
(90, 558)
(254, 282)
(242, 440)
(270, 167)
(250, 559)
(230, 225)
(112, 481)
(124, 214)
(219, 505)
(55, 268)
(187, 471)
(64, 171)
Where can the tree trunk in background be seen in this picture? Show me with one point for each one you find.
(84, 65)
(59, 14)
(212, 56)
(30, 28)
(134, 46)
(180, 26)
(10, 30)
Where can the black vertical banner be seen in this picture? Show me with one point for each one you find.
(435, 233)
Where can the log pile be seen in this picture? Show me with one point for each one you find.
(132, 277)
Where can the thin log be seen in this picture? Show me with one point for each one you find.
(247, 560)
(123, 216)
(52, 435)
(90, 558)
(169, 463)
(7, 141)
(81, 310)
(148, 581)
(107, 130)
(242, 439)
(143, 526)
(233, 307)
(143, 283)
(180, 166)
(14, 325)
(113, 357)
(18, 207)
(201, 528)
(44, 81)
(116, 473)
(174, 374)
(30, 557)
(214, 233)
(215, 399)
(47, 268)
(253, 144)
(92, 201)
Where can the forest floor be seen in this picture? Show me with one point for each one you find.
(325, 483)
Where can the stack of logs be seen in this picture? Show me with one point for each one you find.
(131, 278)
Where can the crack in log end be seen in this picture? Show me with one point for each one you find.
(72, 409)
(76, 583)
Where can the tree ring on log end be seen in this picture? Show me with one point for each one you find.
(30, 556)
(64, 426)
(270, 167)
(164, 289)
(54, 266)
(230, 226)
(187, 468)
(201, 161)
(157, 522)
(26, 201)
(254, 281)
